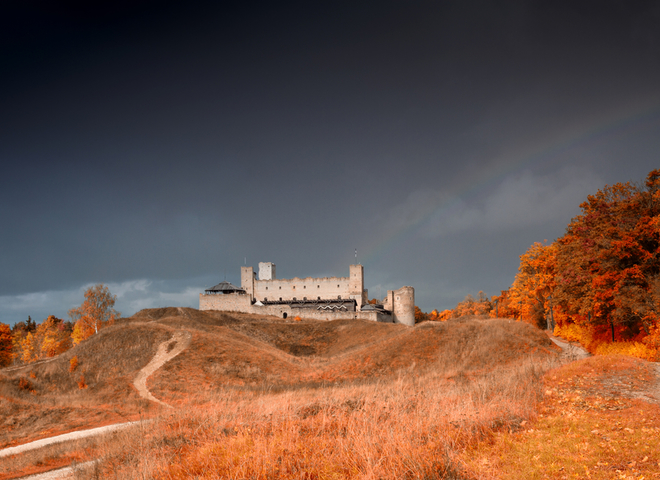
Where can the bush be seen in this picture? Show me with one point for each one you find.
(598, 343)
(73, 363)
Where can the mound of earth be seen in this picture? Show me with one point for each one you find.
(238, 351)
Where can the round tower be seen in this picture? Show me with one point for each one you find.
(404, 306)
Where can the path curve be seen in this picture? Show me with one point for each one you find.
(61, 473)
(176, 344)
(575, 352)
(78, 434)
(166, 351)
(570, 350)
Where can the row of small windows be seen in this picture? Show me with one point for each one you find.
(304, 298)
(304, 286)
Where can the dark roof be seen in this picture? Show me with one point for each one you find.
(225, 287)
(371, 306)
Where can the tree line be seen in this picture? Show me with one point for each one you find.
(28, 341)
(600, 282)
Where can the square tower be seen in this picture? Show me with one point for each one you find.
(266, 271)
(356, 284)
(247, 280)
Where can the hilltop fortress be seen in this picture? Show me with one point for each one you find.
(327, 298)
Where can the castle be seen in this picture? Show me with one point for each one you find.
(327, 298)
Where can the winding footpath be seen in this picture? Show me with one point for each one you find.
(166, 351)
(570, 350)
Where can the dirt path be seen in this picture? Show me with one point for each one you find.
(570, 350)
(60, 473)
(166, 351)
(63, 438)
(650, 393)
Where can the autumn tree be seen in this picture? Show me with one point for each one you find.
(22, 340)
(419, 315)
(607, 262)
(95, 313)
(6, 345)
(473, 306)
(52, 337)
(532, 289)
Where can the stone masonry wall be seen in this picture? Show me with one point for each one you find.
(242, 303)
(301, 288)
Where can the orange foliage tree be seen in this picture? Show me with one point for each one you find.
(503, 307)
(608, 263)
(6, 345)
(534, 284)
(53, 336)
(33, 342)
(419, 315)
(95, 313)
(473, 306)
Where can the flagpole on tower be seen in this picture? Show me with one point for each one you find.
(356, 256)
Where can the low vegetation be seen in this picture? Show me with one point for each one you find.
(262, 397)
(597, 420)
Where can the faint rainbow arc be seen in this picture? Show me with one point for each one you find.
(604, 131)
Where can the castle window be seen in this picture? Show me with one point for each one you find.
(337, 286)
(265, 299)
(294, 287)
(294, 299)
(304, 298)
(318, 286)
(266, 288)
(318, 298)
(280, 299)
(280, 288)
(304, 286)
(339, 297)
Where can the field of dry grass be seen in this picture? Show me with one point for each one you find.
(266, 398)
(263, 398)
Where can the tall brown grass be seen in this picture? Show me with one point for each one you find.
(407, 425)
(260, 398)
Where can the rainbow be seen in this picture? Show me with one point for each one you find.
(590, 134)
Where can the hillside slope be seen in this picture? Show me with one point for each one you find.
(238, 352)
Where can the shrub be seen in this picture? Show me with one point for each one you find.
(598, 343)
(73, 363)
(24, 384)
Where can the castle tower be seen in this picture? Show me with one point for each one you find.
(266, 271)
(404, 305)
(356, 284)
(247, 280)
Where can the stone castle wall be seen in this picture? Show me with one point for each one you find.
(269, 288)
(400, 304)
(235, 302)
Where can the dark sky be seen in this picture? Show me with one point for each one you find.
(157, 146)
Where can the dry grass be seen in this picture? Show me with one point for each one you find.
(400, 404)
(264, 398)
(47, 399)
(407, 427)
(592, 423)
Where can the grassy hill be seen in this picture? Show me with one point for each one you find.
(290, 380)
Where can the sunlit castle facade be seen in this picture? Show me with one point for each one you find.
(327, 298)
